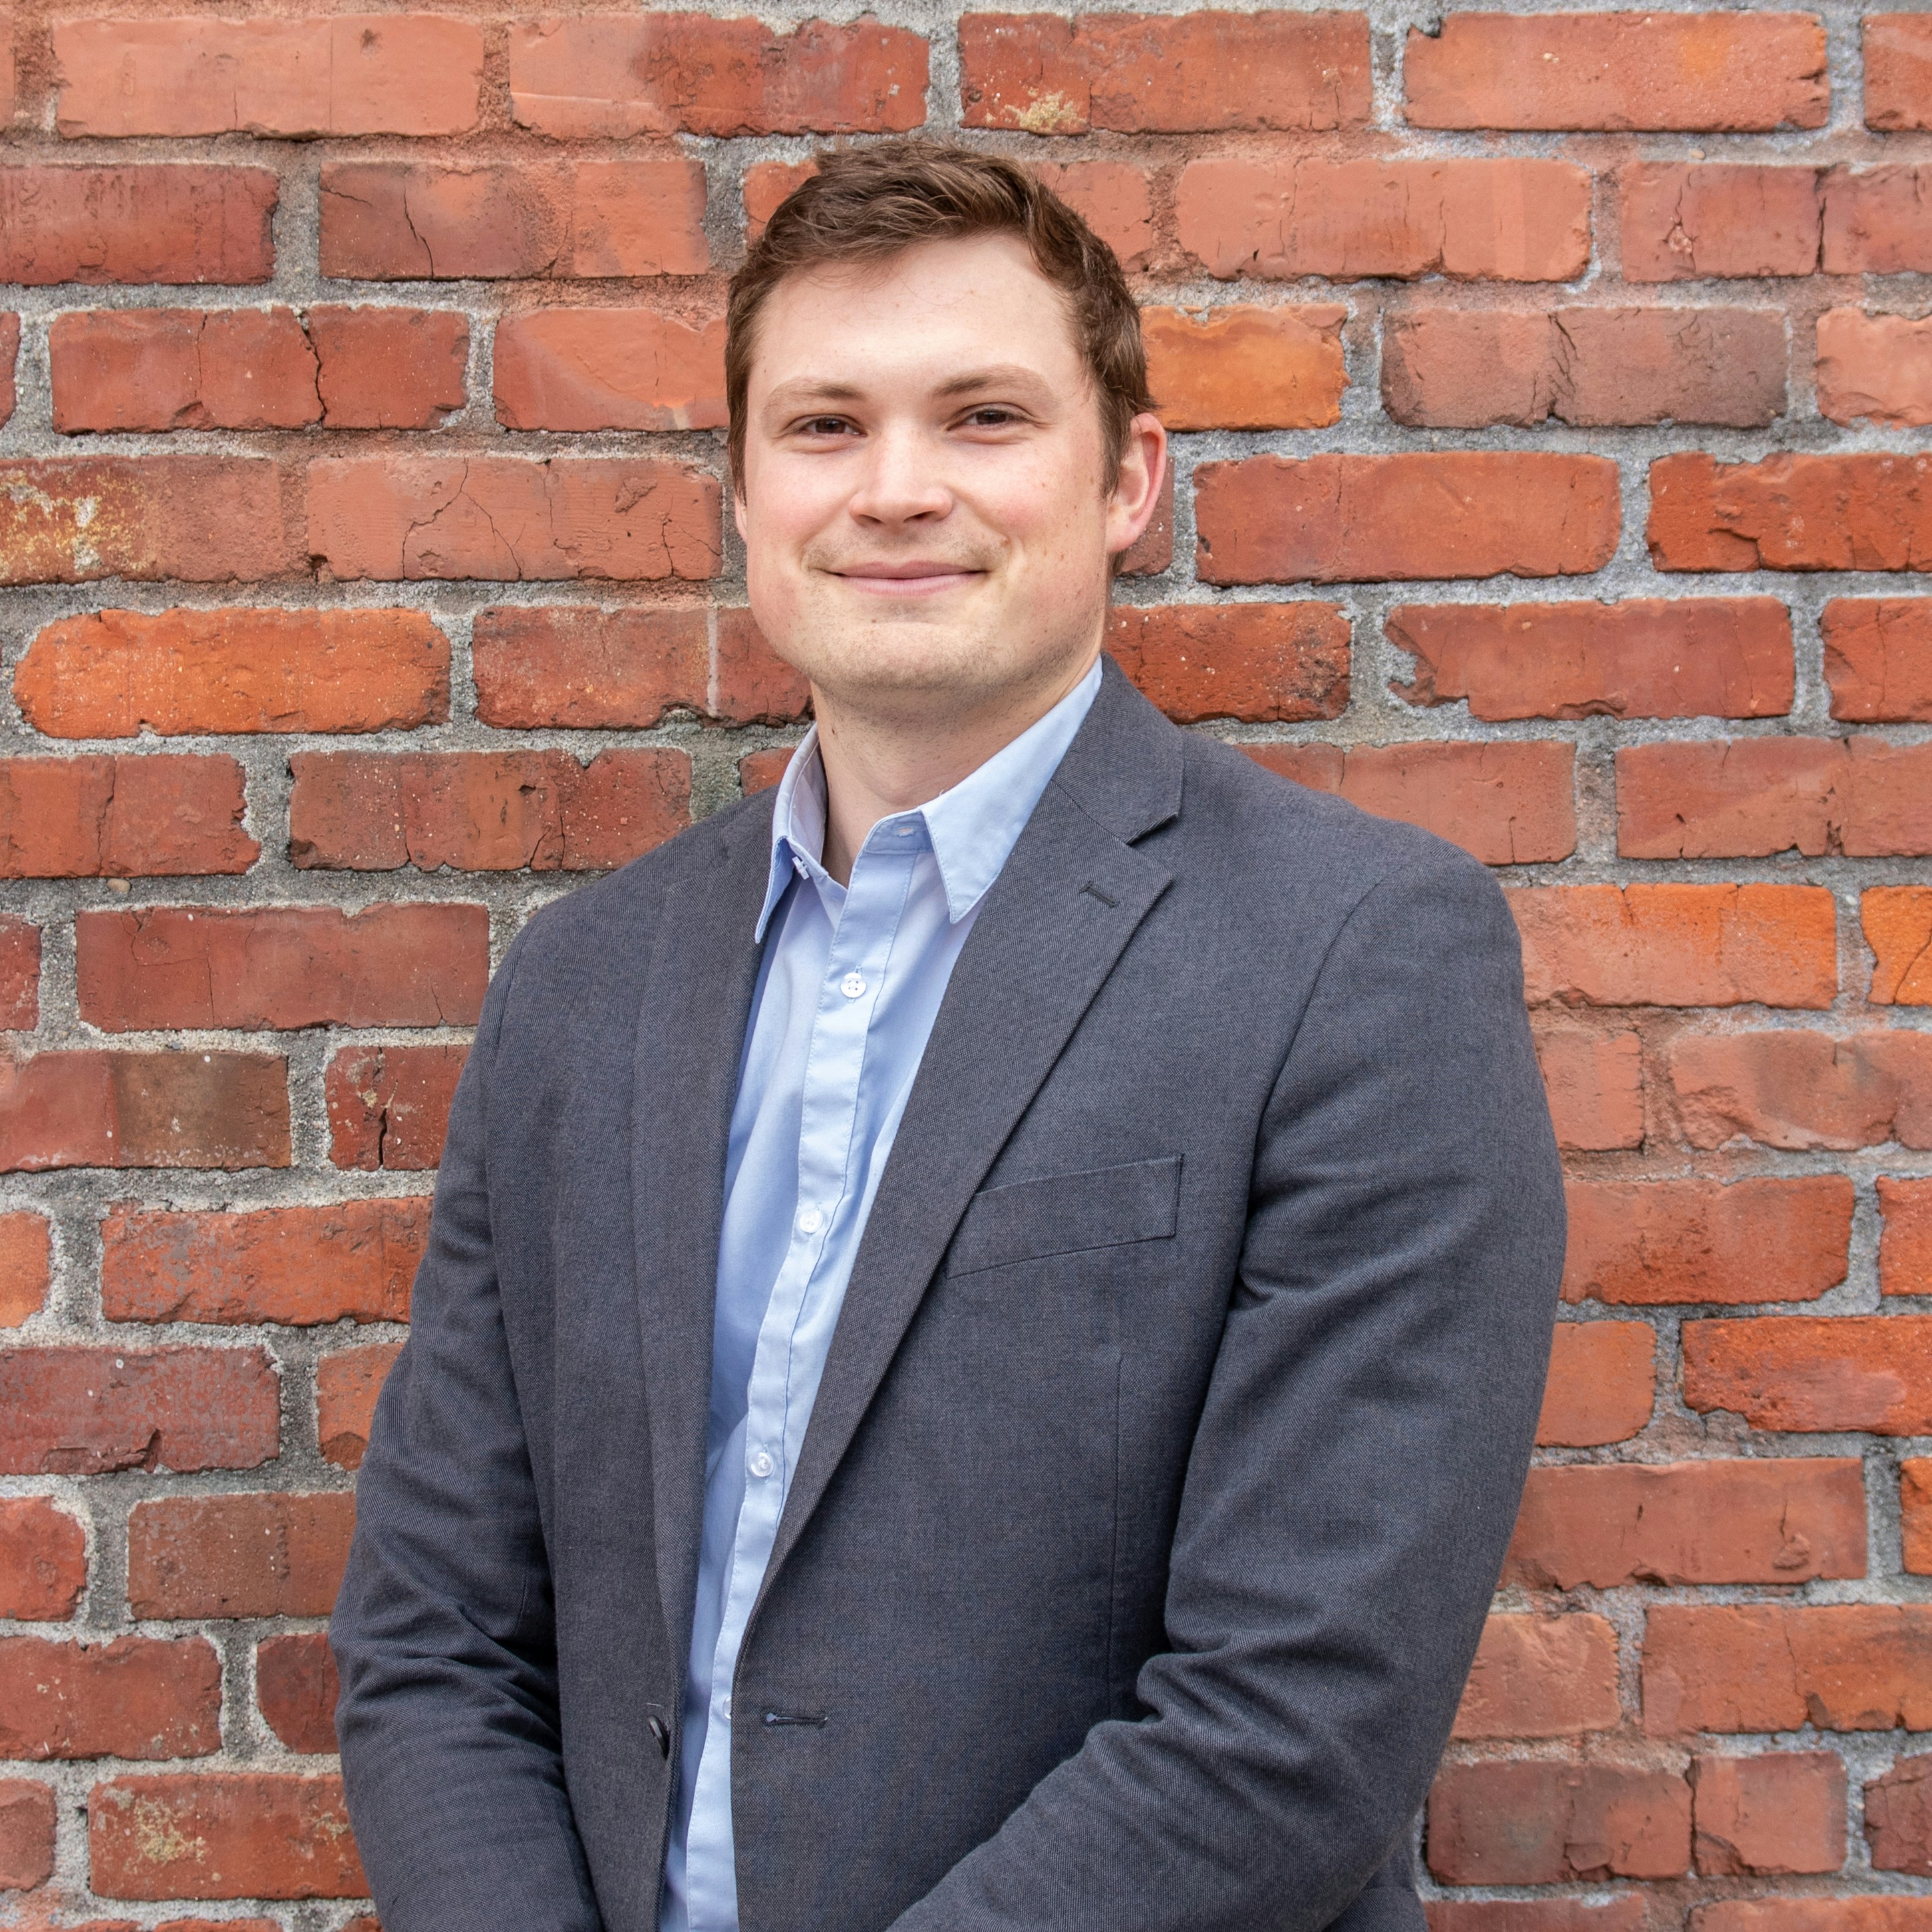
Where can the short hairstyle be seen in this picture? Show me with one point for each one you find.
(867, 205)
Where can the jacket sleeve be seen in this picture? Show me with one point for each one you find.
(443, 1633)
(1357, 1466)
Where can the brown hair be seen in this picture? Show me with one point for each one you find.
(866, 204)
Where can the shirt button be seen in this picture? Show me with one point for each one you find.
(852, 986)
(724, 1708)
(810, 1221)
(798, 866)
(762, 1465)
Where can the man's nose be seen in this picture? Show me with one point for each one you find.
(903, 479)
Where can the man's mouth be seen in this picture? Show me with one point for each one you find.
(907, 578)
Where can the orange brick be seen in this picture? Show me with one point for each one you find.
(1239, 366)
(10, 351)
(169, 369)
(253, 1556)
(1875, 367)
(137, 1696)
(1855, 512)
(1916, 1513)
(1681, 222)
(1898, 71)
(1897, 925)
(1898, 1816)
(43, 1567)
(1540, 1822)
(1541, 1677)
(25, 1266)
(1815, 1372)
(26, 1833)
(1905, 1248)
(1594, 1081)
(20, 977)
(1804, 1091)
(1878, 658)
(346, 1385)
(754, 685)
(1111, 197)
(586, 669)
(388, 1106)
(1602, 1385)
(124, 817)
(759, 771)
(156, 224)
(1780, 1813)
(1876, 221)
(296, 1690)
(609, 368)
(1621, 1912)
(389, 368)
(1262, 663)
(766, 185)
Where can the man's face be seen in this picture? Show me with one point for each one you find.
(923, 504)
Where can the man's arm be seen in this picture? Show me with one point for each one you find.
(443, 1633)
(1357, 1468)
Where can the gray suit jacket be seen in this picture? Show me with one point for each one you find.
(1169, 1442)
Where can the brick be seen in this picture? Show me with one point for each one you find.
(121, 817)
(234, 1835)
(507, 519)
(1898, 1816)
(1280, 220)
(1914, 1488)
(1509, 805)
(1594, 1081)
(1240, 366)
(346, 1385)
(609, 368)
(1541, 1677)
(1467, 369)
(254, 1555)
(1878, 658)
(9, 350)
(1768, 1520)
(43, 1563)
(1755, 796)
(1898, 71)
(766, 184)
(355, 74)
(1112, 198)
(1867, 1911)
(160, 222)
(26, 1834)
(118, 674)
(1262, 663)
(422, 221)
(1652, 1243)
(1623, 1911)
(598, 76)
(1802, 1373)
(136, 1697)
(1905, 1246)
(1602, 1385)
(296, 1689)
(1854, 512)
(759, 771)
(284, 967)
(1645, 657)
(752, 685)
(1542, 1822)
(90, 1108)
(1876, 221)
(1780, 1813)
(1804, 1091)
(169, 369)
(390, 368)
(1423, 514)
(351, 1261)
(1897, 925)
(200, 519)
(486, 812)
(20, 978)
(26, 1263)
(1139, 73)
(1736, 73)
(1776, 1666)
(388, 1106)
(1874, 367)
(1680, 222)
(80, 1411)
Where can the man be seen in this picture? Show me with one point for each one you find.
(985, 1314)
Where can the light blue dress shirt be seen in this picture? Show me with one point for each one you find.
(850, 982)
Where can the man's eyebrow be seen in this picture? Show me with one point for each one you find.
(805, 389)
(999, 376)
(789, 395)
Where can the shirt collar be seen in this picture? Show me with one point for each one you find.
(972, 829)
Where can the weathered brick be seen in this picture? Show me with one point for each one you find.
(1878, 658)
(1780, 1813)
(1620, 1912)
(1877, 367)
(1112, 198)
(1876, 221)
(90, 1108)
(1814, 1373)
(1541, 1677)
(1602, 1385)
(1905, 1246)
(1594, 1081)
(1678, 946)
(295, 1691)
(355, 73)
(1240, 366)
(351, 1260)
(422, 221)
(1898, 71)
(26, 1834)
(597, 76)
(137, 1696)
(388, 1106)
(10, 351)
(1279, 220)
(766, 184)
(283, 967)
(78, 1412)
(1645, 657)
(254, 1555)
(42, 1563)
(20, 977)
(587, 669)
(1680, 222)
(1466, 369)
(1804, 1091)
(1769, 1520)
(507, 519)
(751, 685)
(118, 673)
(1509, 805)
(1540, 1822)
(1898, 924)
(1460, 513)
(1851, 512)
(1262, 663)
(346, 1385)
(230, 1834)
(759, 771)
(162, 223)
(1651, 1243)
(1898, 1816)
(121, 817)
(1755, 796)
(389, 368)
(1776, 1666)
(181, 368)
(1915, 1498)
(609, 368)
(25, 1263)
(486, 812)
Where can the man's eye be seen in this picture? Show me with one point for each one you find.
(824, 426)
(991, 417)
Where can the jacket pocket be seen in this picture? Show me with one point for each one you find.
(1068, 1214)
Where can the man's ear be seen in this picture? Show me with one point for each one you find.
(738, 508)
(1143, 463)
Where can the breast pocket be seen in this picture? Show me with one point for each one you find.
(1068, 1214)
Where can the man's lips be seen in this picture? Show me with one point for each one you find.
(907, 579)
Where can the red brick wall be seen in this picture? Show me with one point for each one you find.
(1551, 399)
